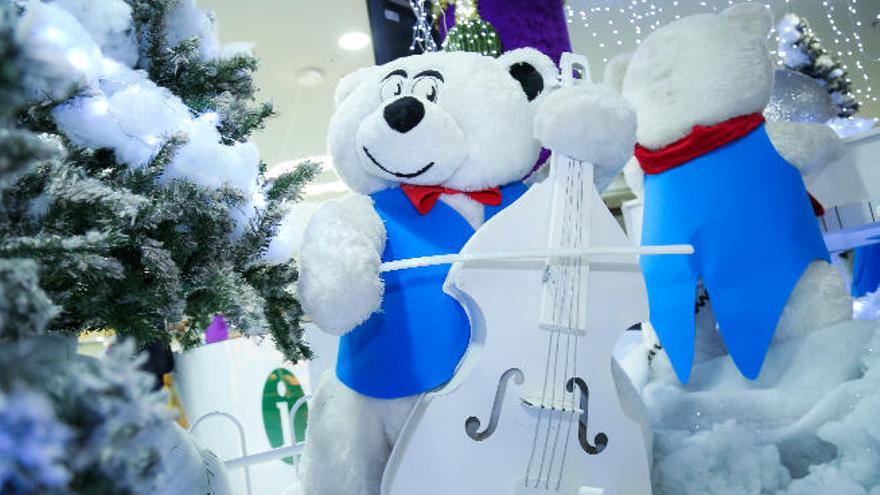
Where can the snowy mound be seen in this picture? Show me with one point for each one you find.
(867, 307)
(808, 425)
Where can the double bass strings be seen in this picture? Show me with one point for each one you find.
(573, 267)
(563, 297)
(577, 299)
(556, 310)
(572, 205)
(566, 276)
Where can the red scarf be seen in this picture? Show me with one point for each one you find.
(700, 141)
(425, 197)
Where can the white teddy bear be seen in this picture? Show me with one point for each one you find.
(691, 82)
(432, 145)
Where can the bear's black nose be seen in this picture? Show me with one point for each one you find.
(404, 113)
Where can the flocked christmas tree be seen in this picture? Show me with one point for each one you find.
(69, 424)
(802, 51)
(471, 32)
(137, 193)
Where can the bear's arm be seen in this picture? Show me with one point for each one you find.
(339, 284)
(634, 177)
(591, 123)
(809, 147)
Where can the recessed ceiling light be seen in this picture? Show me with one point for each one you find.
(309, 76)
(354, 40)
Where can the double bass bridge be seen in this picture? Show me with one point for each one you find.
(560, 405)
(547, 487)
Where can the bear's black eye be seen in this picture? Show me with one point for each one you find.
(391, 87)
(427, 88)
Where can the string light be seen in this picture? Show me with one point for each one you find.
(601, 18)
(471, 33)
(422, 37)
(856, 38)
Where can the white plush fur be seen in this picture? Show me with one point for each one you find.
(480, 131)
(700, 70)
(634, 177)
(349, 439)
(604, 137)
(615, 71)
(705, 69)
(819, 300)
(339, 284)
(809, 147)
(471, 210)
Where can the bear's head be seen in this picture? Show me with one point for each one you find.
(699, 70)
(458, 120)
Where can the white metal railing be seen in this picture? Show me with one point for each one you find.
(246, 460)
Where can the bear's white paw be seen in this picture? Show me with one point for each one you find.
(634, 177)
(339, 284)
(591, 123)
(819, 300)
(809, 147)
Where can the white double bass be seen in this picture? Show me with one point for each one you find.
(549, 285)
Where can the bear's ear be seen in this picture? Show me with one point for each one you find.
(615, 71)
(535, 71)
(755, 18)
(350, 82)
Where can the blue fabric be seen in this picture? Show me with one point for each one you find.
(417, 339)
(747, 213)
(866, 270)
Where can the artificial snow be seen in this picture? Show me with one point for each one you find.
(59, 50)
(287, 240)
(807, 425)
(867, 307)
(110, 25)
(121, 108)
(185, 21)
(230, 50)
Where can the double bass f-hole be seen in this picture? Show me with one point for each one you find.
(472, 424)
(601, 439)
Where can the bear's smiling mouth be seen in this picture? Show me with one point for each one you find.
(398, 174)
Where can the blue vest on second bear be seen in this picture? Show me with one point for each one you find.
(747, 213)
(415, 341)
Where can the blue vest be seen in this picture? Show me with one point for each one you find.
(866, 270)
(747, 213)
(414, 343)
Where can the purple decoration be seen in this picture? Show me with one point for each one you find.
(542, 159)
(217, 331)
(524, 23)
(520, 23)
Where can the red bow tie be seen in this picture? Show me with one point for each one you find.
(425, 197)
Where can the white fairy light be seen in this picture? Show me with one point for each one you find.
(52, 33)
(646, 16)
(856, 38)
(78, 58)
(465, 8)
(422, 36)
(99, 106)
(838, 35)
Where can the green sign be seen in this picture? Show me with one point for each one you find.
(280, 394)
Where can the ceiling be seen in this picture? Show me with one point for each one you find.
(602, 17)
(291, 35)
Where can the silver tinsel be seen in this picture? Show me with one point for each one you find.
(798, 98)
